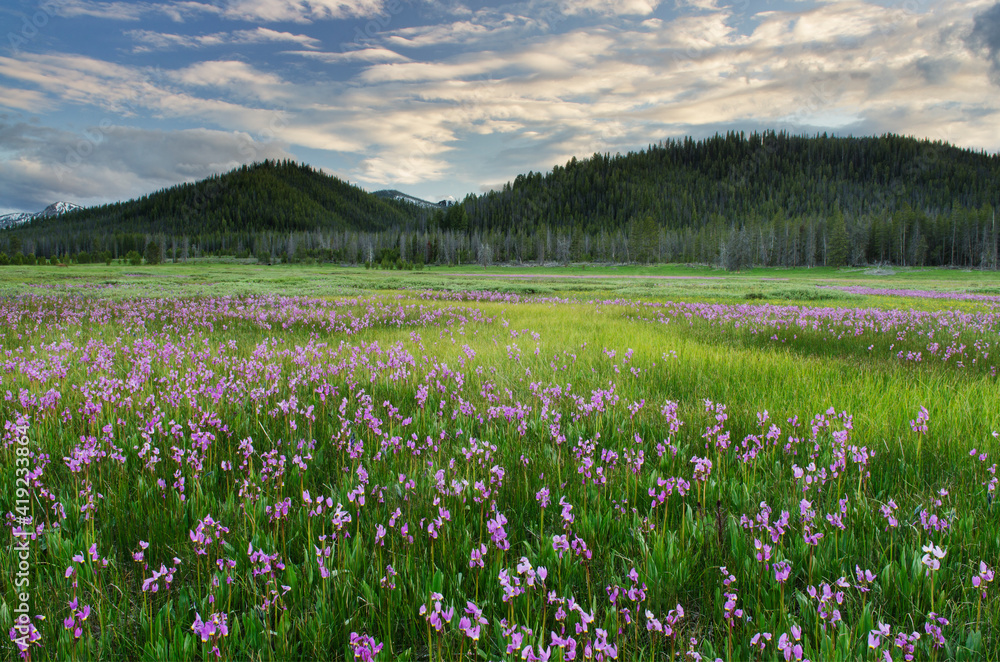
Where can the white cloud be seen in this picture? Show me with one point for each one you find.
(119, 11)
(231, 74)
(19, 99)
(132, 11)
(262, 11)
(147, 40)
(610, 7)
(369, 55)
(300, 11)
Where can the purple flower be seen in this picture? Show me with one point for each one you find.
(364, 647)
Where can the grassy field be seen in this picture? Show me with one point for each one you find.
(648, 283)
(273, 463)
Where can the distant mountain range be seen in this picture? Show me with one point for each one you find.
(56, 209)
(392, 194)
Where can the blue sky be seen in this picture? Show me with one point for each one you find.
(101, 101)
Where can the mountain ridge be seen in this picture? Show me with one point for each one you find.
(393, 194)
(16, 219)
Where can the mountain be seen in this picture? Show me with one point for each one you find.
(222, 213)
(392, 194)
(734, 200)
(57, 209)
(14, 220)
(687, 183)
(771, 198)
(17, 219)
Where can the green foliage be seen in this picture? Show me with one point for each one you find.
(134, 258)
(455, 219)
(152, 254)
(839, 247)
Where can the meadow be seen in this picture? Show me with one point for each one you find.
(222, 461)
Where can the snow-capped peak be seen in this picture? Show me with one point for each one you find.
(13, 220)
(57, 208)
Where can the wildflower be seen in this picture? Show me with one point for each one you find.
(864, 577)
(875, 636)
(984, 577)
(828, 598)
(24, 634)
(932, 557)
(364, 647)
(74, 622)
(434, 615)
(471, 623)
(887, 512)
(789, 646)
(919, 425)
(906, 643)
(933, 629)
(138, 556)
(388, 580)
(763, 551)
(759, 640)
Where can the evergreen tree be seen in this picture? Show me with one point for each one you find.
(152, 252)
(839, 248)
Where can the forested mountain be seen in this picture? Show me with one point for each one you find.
(734, 200)
(765, 199)
(229, 213)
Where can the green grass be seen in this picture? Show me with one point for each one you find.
(661, 282)
(130, 366)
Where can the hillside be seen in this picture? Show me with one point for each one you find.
(764, 199)
(223, 212)
(741, 178)
(734, 200)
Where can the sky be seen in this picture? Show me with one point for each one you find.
(108, 100)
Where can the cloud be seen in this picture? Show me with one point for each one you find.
(936, 71)
(113, 162)
(300, 11)
(118, 11)
(228, 94)
(148, 41)
(259, 11)
(18, 99)
(609, 7)
(227, 74)
(985, 36)
(498, 91)
(131, 11)
(368, 55)
(485, 25)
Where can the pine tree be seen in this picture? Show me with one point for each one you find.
(839, 248)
